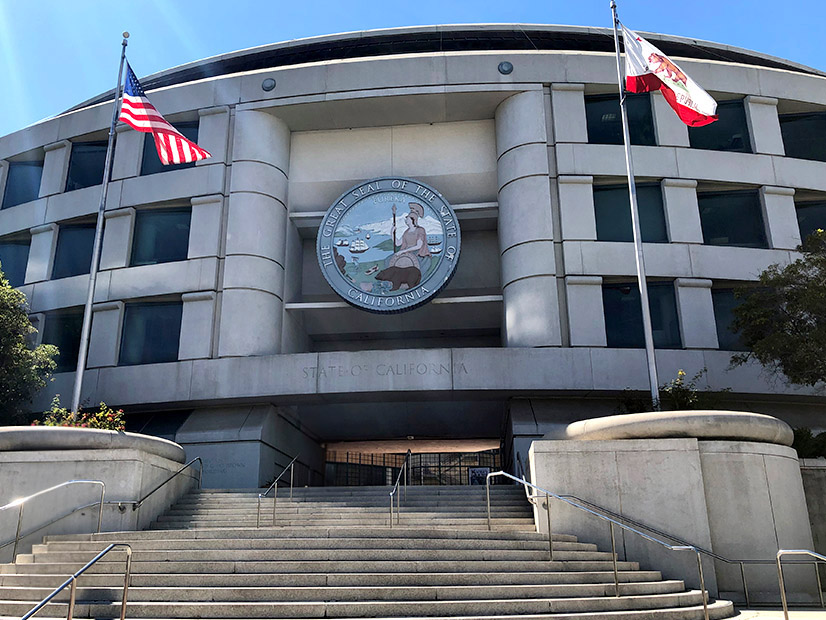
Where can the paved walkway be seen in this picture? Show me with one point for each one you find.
(814, 613)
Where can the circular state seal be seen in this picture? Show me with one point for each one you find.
(389, 244)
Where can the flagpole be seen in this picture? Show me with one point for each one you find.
(93, 272)
(635, 221)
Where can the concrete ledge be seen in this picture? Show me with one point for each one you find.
(24, 438)
(734, 425)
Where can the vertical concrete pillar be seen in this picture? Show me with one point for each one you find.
(205, 226)
(197, 325)
(55, 167)
(253, 286)
(4, 172)
(586, 318)
(764, 125)
(104, 340)
(213, 133)
(576, 206)
(128, 153)
(116, 249)
(682, 213)
(668, 127)
(525, 223)
(41, 253)
(568, 112)
(780, 216)
(696, 313)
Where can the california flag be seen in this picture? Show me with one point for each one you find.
(647, 69)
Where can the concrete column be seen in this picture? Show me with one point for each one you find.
(568, 112)
(205, 226)
(38, 320)
(525, 224)
(117, 238)
(197, 325)
(780, 216)
(764, 125)
(252, 299)
(104, 341)
(128, 153)
(576, 206)
(670, 130)
(586, 318)
(696, 312)
(4, 173)
(55, 167)
(682, 213)
(41, 253)
(213, 133)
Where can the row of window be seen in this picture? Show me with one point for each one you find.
(623, 316)
(150, 334)
(160, 236)
(804, 135)
(86, 163)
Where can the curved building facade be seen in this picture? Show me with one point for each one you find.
(214, 325)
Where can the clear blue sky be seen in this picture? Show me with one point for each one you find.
(57, 53)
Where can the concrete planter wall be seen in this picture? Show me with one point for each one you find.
(129, 464)
(722, 481)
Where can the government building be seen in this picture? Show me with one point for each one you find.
(217, 321)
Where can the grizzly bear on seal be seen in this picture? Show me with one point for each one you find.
(400, 275)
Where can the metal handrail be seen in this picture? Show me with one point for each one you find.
(274, 488)
(72, 581)
(612, 523)
(137, 504)
(21, 502)
(819, 559)
(405, 469)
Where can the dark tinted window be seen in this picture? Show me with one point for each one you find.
(810, 217)
(22, 182)
(623, 315)
(62, 329)
(86, 165)
(724, 305)
(729, 133)
(602, 115)
(613, 213)
(151, 332)
(804, 135)
(160, 236)
(14, 257)
(151, 163)
(73, 255)
(732, 218)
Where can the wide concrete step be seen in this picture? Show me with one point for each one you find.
(300, 507)
(336, 580)
(292, 521)
(717, 610)
(321, 566)
(366, 491)
(266, 531)
(320, 543)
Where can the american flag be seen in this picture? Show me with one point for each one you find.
(138, 113)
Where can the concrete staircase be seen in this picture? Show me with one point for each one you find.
(332, 555)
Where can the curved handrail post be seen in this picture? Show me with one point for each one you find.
(274, 488)
(614, 560)
(780, 553)
(395, 491)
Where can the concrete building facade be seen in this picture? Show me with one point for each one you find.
(213, 325)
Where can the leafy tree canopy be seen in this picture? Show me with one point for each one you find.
(23, 369)
(782, 321)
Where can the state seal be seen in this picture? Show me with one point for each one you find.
(389, 244)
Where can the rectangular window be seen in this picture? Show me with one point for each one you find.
(724, 305)
(161, 236)
(62, 329)
(804, 135)
(810, 217)
(86, 165)
(729, 133)
(151, 163)
(623, 315)
(22, 183)
(14, 257)
(613, 213)
(604, 120)
(732, 218)
(73, 256)
(151, 332)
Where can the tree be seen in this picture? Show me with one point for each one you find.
(23, 369)
(782, 321)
